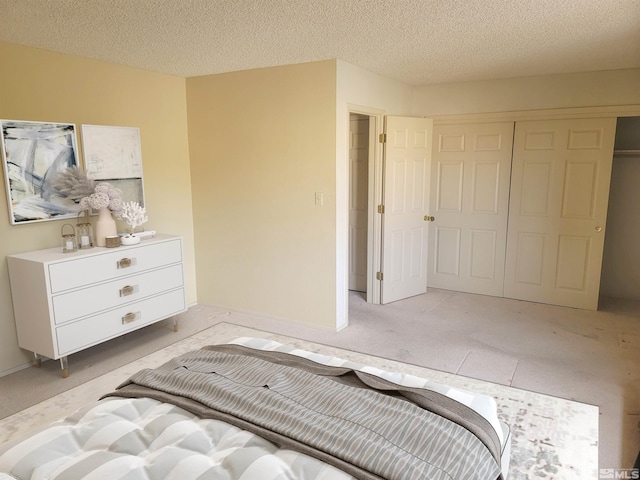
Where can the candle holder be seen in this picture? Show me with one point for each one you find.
(69, 243)
(84, 231)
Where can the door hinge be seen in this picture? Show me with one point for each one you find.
(379, 276)
(380, 208)
(382, 138)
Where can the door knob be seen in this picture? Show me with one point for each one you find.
(598, 229)
(428, 218)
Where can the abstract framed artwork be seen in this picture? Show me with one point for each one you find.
(33, 153)
(114, 155)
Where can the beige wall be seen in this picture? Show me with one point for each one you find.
(262, 142)
(593, 89)
(43, 86)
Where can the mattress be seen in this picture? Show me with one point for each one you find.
(144, 438)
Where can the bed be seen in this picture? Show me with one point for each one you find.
(258, 409)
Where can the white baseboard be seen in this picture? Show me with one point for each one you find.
(9, 371)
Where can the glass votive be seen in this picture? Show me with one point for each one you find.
(69, 242)
(84, 233)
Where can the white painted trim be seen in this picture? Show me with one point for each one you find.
(9, 371)
(374, 224)
(626, 153)
(548, 114)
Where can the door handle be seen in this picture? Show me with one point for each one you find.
(428, 218)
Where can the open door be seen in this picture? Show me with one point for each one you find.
(405, 207)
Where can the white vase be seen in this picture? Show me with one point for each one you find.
(129, 239)
(105, 227)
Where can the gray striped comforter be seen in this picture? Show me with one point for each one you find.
(357, 422)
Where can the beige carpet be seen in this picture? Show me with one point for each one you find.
(552, 438)
(28, 386)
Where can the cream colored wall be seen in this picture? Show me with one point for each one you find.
(615, 87)
(262, 143)
(44, 86)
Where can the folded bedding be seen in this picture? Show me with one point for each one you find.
(258, 409)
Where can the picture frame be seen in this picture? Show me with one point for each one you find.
(32, 154)
(114, 154)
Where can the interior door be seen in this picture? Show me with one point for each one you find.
(406, 179)
(557, 214)
(470, 175)
(358, 201)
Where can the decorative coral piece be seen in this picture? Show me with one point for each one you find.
(133, 214)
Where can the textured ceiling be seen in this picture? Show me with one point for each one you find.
(415, 41)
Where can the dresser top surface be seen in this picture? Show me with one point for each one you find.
(55, 254)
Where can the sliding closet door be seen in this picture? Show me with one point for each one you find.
(557, 214)
(471, 167)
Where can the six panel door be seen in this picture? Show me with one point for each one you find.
(471, 168)
(557, 214)
(407, 163)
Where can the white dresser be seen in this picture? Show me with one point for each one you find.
(66, 302)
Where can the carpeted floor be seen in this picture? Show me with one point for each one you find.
(552, 438)
(589, 357)
(30, 386)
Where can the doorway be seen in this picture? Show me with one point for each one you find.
(407, 143)
(359, 152)
(364, 194)
(621, 261)
(365, 182)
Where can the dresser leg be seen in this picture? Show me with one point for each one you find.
(38, 360)
(64, 366)
(175, 324)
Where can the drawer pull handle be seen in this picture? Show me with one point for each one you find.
(130, 317)
(128, 290)
(124, 263)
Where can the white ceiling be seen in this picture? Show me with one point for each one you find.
(415, 41)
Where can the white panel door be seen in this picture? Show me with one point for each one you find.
(470, 175)
(557, 214)
(407, 161)
(358, 200)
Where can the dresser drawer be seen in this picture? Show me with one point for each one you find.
(104, 296)
(87, 270)
(90, 331)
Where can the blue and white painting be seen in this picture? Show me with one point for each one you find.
(33, 153)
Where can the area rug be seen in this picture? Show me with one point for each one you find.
(552, 438)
